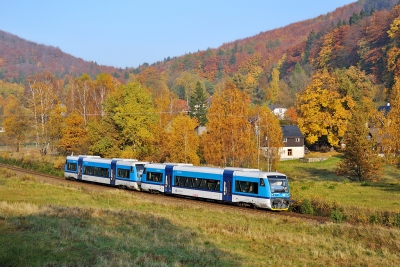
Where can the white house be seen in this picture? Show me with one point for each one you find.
(279, 111)
(293, 140)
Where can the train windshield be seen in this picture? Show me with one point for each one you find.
(278, 184)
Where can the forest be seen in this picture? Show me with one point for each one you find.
(331, 73)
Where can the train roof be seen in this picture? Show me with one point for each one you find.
(178, 164)
(242, 169)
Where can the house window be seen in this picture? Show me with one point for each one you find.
(284, 140)
(290, 152)
(297, 139)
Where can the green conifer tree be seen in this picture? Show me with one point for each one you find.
(198, 104)
(361, 160)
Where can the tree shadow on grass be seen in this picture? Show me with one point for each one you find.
(92, 237)
(310, 172)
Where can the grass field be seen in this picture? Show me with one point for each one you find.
(55, 225)
(318, 179)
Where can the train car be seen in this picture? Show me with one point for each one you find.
(124, 173)
(244, 187)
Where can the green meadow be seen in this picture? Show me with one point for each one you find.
(56, 225)
(45, 224)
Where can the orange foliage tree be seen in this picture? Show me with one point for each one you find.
(230, 139)
(74, 135)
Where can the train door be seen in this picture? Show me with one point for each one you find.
(168, 179)
(227, 185)
(80, 163)
(113, 172)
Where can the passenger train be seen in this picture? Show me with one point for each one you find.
(123, 173)
(241, 186)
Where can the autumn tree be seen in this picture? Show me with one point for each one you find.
(390, 131)
(55, 126)
(198, 104)
(298, 80)
(17, 121)
(185, 85)
(102, 86)
(269, 134)
(183, 141)
(168, 106)
(273, 89)
(44, 92)
(323, 111)
(230, 139)
(361, 160)
(74, 136)
(80, 97)
(128, 129)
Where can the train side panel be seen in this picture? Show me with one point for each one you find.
(98, 171)
(201, 182)
(153, 178)
(249, 188)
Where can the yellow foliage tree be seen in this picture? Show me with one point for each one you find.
(325, 54)
(17, 121)
(323, 111)
(274, 89)
(390, 132)
(55, 126)
(183, 141)
(269, 133)
(230, 139)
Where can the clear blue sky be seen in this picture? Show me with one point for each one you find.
(127, 33)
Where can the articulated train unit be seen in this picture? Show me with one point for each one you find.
(244, 187)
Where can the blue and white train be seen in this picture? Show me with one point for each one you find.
(244, 187)
(124, 173)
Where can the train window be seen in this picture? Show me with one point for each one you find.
(97, 171)
(213, 184)
(123, 173)
(72, 166)
(203, 184)
(200, 183)
(246, 187)
(189, 182)
(262, 183)
(180, 180)
(154, 177)
(196, 182)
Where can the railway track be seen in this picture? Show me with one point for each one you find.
(160, 198)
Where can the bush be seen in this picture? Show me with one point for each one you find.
(337, 215)
(306, 207)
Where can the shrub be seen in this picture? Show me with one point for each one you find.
(306, 207)
(337, 215)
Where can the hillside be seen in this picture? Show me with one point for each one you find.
(248, 62)
(20, 58)
(356, 32)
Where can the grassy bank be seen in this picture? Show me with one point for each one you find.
(329, 194)
(55, 225)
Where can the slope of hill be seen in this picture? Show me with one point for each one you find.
(20, 58)
(249, 62)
